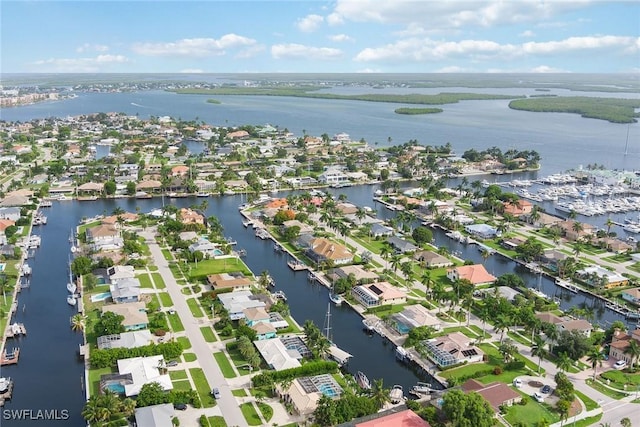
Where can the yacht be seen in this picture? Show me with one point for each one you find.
(71, 300)
(335, 298)
(396, 394)
(362, 380)
(71, 287)
(5, 383)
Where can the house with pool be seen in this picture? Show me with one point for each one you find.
(304, 393)
(135, 372)
(134, 313)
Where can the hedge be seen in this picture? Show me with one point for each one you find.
(108, 357)
(306, 370)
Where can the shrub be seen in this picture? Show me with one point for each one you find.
(497, 370)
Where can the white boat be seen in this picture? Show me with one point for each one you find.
(202, 194)
(247, 223)
(396, 395)
(311, 277)
(71, 287)
(5, 383)
(421, 388)
(362, 380)
(401, 353)
(71, 300)
(335, 298)
(279, 295)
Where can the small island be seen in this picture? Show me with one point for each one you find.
(213, 101)
(613, 110)
(415, 111)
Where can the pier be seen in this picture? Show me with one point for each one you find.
(10, 357)
(8, 392)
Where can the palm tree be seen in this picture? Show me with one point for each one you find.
(596, 357)
(385, 251)
(501, 324)
(379, 394)
(564, 362)
(91, 410)
(427, 281)
(633, 350)
(625, 422)
(127, 407)
(78, 322)
(609, 224)
(395, 262)
(538, 350)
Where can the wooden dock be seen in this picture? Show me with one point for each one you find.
(9, 358)
(15, 330)
(297, 265)
(7, 394)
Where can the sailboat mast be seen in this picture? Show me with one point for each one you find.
(327, 323)
(626, 145)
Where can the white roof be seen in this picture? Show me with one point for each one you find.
(238, 301)
(276, 354)
(143, 370)
(130, 339)
(155, 416)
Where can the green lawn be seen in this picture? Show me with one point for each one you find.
(153, 268)
(466, 331)
(605, 390)
(202, 387)
(166, 300)
(145, 281)
(94, 379)
(589, 403)
(266, 410)
(175, 322)
(618, 379)
(178, 375)
(225, 365)
(519, 338)
(213, 266)
(208, 334)
(184, 342)
(167, 254)
(239, 392)
(181, 385)
(157, 279)
(194, 307)
(250, 414)
(530, 414)
(217, 421)
(189, 357)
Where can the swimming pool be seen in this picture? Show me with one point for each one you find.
(115, 387)
(217, 252)
(328, 390)
(100, 297)
(2, 266)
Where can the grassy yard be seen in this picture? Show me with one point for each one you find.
(165, 299)
(519, 338)
(217, 421)
(239, 392)
(184, 342)
(208, 334)
(145, 281)
(175, 322)
(467, 331)
(589, 403)
(181, 385)
(94, 379)
(266, 410)
(604, 390)
(178, 375)
(225, 365)
(530, 414)
(167, 254)
(189, 357)
(618, 379)
(157, 279)
(202, 387)
(250, 414)
(213, 266)
(194, 307)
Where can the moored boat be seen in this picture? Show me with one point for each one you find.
(71, 300)
(362, 380)
(396, 395)
(335, 298)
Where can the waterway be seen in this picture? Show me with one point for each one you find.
(49, 374)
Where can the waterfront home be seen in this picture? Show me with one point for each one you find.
(598, 276)
(497, 393)
(179, 171)
(379, 293)
(392, 418)
(631, 295)
(452, 349)
(304, 228)
(130, 339)
(400, 245)
(304, 393)
(521, 207)
(148, 185)
(189, 216)
(14, 201)
(125, 290)
(432, 259)
(12, 213)
(346, 208)
(238, 301)
(511, 243)
(620, 343)
(104, 237)
(6, 223)
(506, 292)
(482, 231)
(476, 274)
(277, 355)
(161, 415)
(208, 249)
(544, 220)
(360, 274)
(255, 315)
(236, 281)
(323, 250)
(143, 370)
(567, 229)
(134, 313)
(90, 189)
(119, 272)
(188, 236)
(379, 230)
(614, 245)
(332, 176)
(264, 331)
(579, 325)
(551, 258)
(126, 217)
(414, 316)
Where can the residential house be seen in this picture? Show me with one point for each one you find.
(255, 315)
(414, 316)
(379, 293)
(304, 228)
(511, 243)
(134, 313)
(304, 393)
(521, 207)
(379, 230)
(143, 370)
(568, 229)
(161, 415)
(119, 272)
(631, 295)
(432, 259)
(12, 214)
(333, 177)
(400, 245)
(482, 231)
(476, 274)
(551, 258)
(392, 418)
(323, 250)
(615, 245)
(580, 325)
(346, 208)
(104, 237)
(360, 274)
(236, 302)
(236, 281)
(179, 171)
(188, 216)
(497, 394)
(452, 349)
(277, 355)
(130, 339)
(208, 249)
(544, 220)
(598, 276)
(264, 331)
(620, 343)
(125, 290)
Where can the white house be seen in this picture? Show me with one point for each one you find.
(143, 370)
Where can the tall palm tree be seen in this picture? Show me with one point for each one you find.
(633, 350)
(379, 394)
(395, 262)
(564, 362)
(78, 322)
(609, 224)
(501, 324)
(595, 357)
(427, 281)
(538, 350)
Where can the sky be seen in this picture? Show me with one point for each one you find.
(311, 36)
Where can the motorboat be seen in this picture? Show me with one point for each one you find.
(335, 298)
(5, 383)
(362, 380)
(401, 353)
(71, 287)
(396, 395)
(71, 300)
(421, 388)
(280, 295)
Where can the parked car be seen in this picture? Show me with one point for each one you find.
(180, 406)
(620, 364)
(172, 363)
(517, 383)
(538, 397)
(546, 389)
(216, 393)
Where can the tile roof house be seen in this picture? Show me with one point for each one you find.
(276, 354)
(323, 249)
(476, 274)
(104, 237)
(414, 316)
(305, 392)
(131, 339)
(143, 370)
(264, 331)
(431, 259)
(236, 302)
(405, 418)
(189, 216)
(452, 349)
(236, 281)
(255, 315)
(401, 245)
(631, 295)
(380, 293)
(497, 394)
(135, 314)
(361, 275)
(522, 207)
(620, 343)
(598, 276)
(576, 325)
(179, 170)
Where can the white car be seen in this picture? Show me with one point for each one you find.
(620, 364)
(538, 397)
(517, 383)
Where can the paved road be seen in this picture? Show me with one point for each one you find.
(227, 402)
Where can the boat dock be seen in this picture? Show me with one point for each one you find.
(297, 265)
(9, 357)
(16, 330)
(8, 392)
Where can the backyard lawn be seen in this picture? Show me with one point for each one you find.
(145, 281)
(213, 266)
(202, 387)
(225, 365)
(530, 414)
(217, 421)
(94, 379)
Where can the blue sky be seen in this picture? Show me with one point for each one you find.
(348, 36)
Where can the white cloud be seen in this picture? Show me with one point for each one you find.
(196, 47)
(451, 13)
(299, 51)
(581, 43)
(88, 47)
(452, 69)
(369, 70)
(334, 19)
(309, 23)
(191, 71)
(99, 63)
(527, 33)
(547, 69)
(340, 38)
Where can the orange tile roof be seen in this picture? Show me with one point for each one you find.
(406, 418)
(476, 274)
